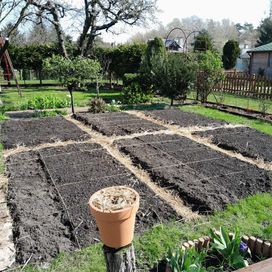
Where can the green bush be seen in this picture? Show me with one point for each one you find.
(133, 94)
(46, 102)
(128, 79)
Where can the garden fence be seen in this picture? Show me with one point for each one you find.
(239, 83)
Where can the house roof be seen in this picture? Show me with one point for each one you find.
(169, 43)
(263, 48)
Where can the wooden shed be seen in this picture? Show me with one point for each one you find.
(261, 60)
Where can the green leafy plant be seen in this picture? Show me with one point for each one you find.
(113, 106)
(189, 260)
(97, 105)
(230, 249)
(210, 73)
(47, 102)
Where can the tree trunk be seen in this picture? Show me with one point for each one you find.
(120, 260)
(40, 76)
(72, 101)
(172, 102)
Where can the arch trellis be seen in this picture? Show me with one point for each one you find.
(185, 45)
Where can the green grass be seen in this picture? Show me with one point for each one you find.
(253, 216)
(12, 101)
(231, 118)
(237, 101)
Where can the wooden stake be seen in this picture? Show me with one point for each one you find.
(120, 260)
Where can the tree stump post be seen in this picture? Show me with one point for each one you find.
(120, 260)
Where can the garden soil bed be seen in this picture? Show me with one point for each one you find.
(247, 141)
(117, 123)
(48, 197)
(183, 119)
(206, 179)
(39, 131)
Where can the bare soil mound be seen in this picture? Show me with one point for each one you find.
(31, 132)
(117, 123)
(183, 119)
(247, 141)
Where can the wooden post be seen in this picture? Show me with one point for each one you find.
(120, 260)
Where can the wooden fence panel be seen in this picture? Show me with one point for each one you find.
(244, 84)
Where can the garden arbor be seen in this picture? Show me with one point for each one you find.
(186, 37)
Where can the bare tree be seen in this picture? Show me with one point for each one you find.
(52, 11)
(13, 12)
(101, 15)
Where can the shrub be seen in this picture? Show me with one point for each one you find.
(128, 79)
(174, 75)
(97, 105)
(231, 52)
(210, 73)
(133, 94)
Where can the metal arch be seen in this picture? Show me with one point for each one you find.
(186, 39)
(176, 28)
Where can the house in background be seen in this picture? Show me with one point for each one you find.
(242, 62)
(172, 45)
(261, 60)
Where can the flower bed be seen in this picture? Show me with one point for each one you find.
(221, 252)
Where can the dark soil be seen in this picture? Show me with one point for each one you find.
(117, 123)
(183, 119)
(247, 141)
(206, 179)
(48, 197)
(32, 132)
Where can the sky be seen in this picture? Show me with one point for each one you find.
(238, 11)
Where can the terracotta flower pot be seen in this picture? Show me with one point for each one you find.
(116, 227)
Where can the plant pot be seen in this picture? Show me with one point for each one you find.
(116, 226)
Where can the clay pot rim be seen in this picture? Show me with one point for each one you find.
(136, 202)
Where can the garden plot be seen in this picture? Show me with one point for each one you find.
(33, 132)
(247, 141)
(184, 119)
(48, 197)
(204, 178)
(117, 123)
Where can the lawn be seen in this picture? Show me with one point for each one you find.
(253, 216)
(231, 118)
(237, 101)
(13, 101)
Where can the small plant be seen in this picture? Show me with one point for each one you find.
(189, 260)
(113, 106)
(230, 250)
(97, 105)
(3, 116)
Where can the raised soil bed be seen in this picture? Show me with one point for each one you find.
(33, 132)
(184, 119)
(206, 179)
(48, 197)
(117, 123)
(247, 141)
